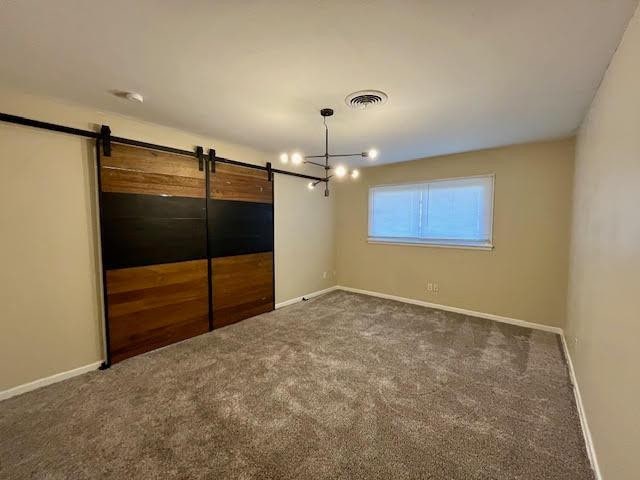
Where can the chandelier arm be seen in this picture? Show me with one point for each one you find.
(333, 155)
(315, 163)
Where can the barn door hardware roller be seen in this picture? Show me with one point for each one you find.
(212, 160)
(200, 155)
(105, 136)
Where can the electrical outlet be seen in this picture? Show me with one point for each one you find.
(436, 288)
(324, 275)
(575, 341)
(429, 287)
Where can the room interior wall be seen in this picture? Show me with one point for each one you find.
(603, 327)
(524, 277)
(313, 220)
(50, 292)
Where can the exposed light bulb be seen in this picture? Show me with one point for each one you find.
(311, 186)
(340, 171)
(296, 158)
(355, 174)
(284, 158)
(372, 154)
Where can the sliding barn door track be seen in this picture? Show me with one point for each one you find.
(105, 137)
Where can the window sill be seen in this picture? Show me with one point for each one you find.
(417, 243)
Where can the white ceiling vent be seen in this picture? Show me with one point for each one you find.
(366, 99)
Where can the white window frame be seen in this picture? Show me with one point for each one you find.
(433, 243)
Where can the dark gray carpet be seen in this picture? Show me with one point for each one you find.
(342, 386)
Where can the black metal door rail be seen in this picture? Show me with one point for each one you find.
(106, 139)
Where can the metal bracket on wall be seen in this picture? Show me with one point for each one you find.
(105, 135)
(212, 160)
(200, 155)
(269, 172)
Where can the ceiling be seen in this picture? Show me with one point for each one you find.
(460, 75)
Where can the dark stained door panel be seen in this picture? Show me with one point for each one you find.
(239, 228)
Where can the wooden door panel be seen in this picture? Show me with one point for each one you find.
(242, 287)
(139, 170)
(150, 183)
(137, 159)
(154, 249)
(153, 306)
(232, 182)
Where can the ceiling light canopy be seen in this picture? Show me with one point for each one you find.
(340, 171)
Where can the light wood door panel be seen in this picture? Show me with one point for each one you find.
(242, 287)
(232, 182)
(140, 170)
(153, 306)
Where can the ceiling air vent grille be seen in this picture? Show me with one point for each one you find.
(366, 99)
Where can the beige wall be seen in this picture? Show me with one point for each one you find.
(310, 251)
(603, 328)
(524, 277)
(50, 317)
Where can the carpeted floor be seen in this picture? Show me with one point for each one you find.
(341, 386)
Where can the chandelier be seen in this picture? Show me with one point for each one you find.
(339, 171)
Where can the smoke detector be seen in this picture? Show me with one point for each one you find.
(365, 99)
(134, 97)
(131, 96)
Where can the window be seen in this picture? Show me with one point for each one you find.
(456, 212)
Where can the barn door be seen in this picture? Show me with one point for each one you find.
(240, 242)
(154, 244)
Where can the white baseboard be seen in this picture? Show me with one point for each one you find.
(471, 313)
(310, 295)
(588, 440)
(42, 382)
